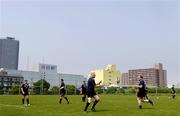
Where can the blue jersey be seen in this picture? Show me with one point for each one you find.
(25, 87)
(83, 87)
(63, 86)
(142, 83)
(91, 85)
(173, 90)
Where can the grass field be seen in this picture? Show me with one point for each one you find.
(110, 105)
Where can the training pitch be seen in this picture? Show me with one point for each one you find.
(110, 105)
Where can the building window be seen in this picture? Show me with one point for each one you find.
(47, 67)
(52, 67)
(43, 67)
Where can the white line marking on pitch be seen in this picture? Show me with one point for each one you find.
(12, 106)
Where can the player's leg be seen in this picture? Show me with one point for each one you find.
(146, 99)
(88, 103)
(96, 97)
(23, 98)
(84, 97)
(174, 95)
(139, 99)
(61, 96)
(27, 99)
(66, 99)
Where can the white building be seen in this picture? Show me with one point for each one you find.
(49, 73)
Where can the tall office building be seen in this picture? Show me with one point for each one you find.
(153, 76)
(9, 53)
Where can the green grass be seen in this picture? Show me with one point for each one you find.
(110, 105)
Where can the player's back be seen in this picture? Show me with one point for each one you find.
(91, 85)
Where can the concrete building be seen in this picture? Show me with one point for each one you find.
(49, 73)
(7, 80)
(109, 76)
(9, 53)
(124, 79)
(153, 76)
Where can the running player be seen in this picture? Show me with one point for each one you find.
(83, 91)
(91, 92)
(142, 93)
(63, 92)
(25, 92)
(173, 92)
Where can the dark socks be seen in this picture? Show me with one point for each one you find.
(87, 105)
(140, 107)
(67, 100)
(95, 102)
(23, 100)
(83, 99)
(151, 102)
(173, 96)
(27, 101)
(60, 101)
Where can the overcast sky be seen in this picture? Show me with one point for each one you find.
(80, 36)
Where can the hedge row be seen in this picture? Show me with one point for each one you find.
(113, 90)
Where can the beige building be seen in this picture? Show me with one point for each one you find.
(153, 76)
(109, 76)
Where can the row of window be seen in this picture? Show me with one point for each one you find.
(48, 67)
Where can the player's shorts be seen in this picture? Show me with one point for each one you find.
(83, 92)
(25, 93)
(91, 94)
(62, 92)
(141, 94)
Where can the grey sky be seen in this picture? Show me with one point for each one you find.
(81, 36)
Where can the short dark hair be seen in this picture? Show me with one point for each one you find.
(62, 79)
(141, 76)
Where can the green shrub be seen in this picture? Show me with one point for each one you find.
(111, 90)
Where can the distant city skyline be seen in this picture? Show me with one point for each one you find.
(82, 36)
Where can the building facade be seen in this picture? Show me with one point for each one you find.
(9, 53)
(7, 80)
(153, 76)
(49, 73)
(109, 76)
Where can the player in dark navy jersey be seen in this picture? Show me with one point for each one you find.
(142, 93)
(25, 92)
(173, 92)
(91, 93)
(63, 92)
(83, 90)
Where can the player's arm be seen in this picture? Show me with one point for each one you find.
(22, 90)
(139, 86)
(62, 87)
(98, 84)
(29, 90)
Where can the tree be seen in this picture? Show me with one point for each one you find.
(15, 89)
(111, 90)
(55, 90)
(41, 87)
(70, 89)
(99, 90)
